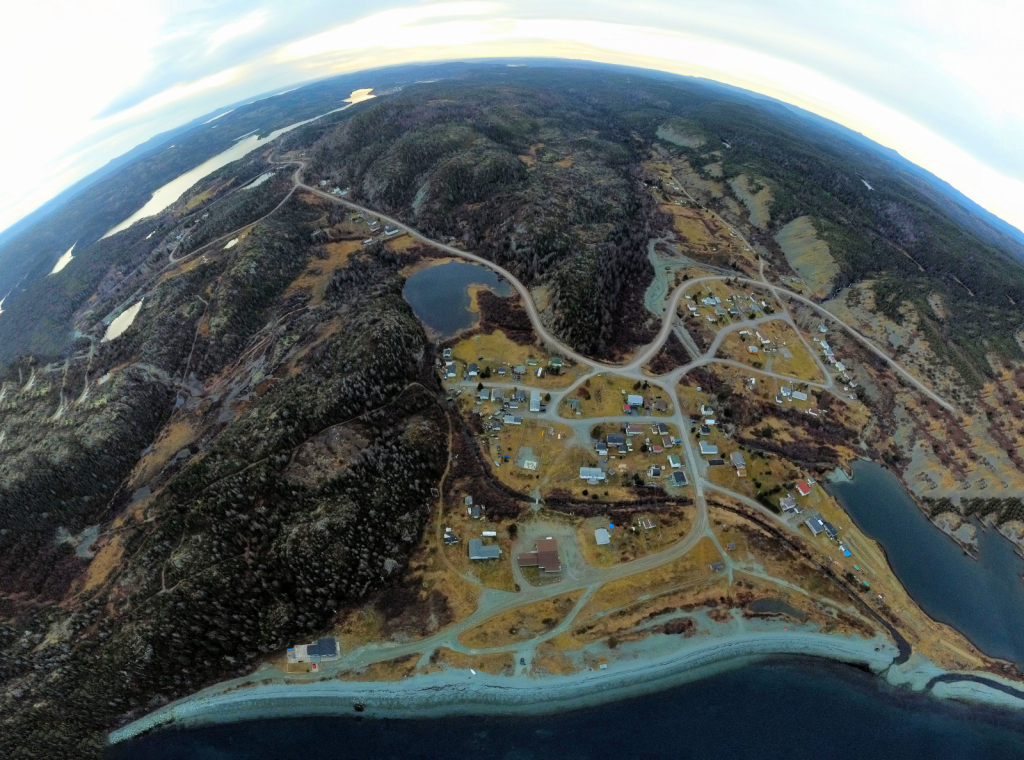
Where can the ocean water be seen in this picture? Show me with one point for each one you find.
(785, 709)
(440, 297)
(982, 598)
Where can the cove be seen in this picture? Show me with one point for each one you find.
(826, 711)
(983, 598)
(439, 294)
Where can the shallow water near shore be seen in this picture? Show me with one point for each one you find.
(788, 709)
(982, 598)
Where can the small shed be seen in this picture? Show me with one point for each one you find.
(602, 536)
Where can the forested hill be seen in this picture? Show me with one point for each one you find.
(258, 449)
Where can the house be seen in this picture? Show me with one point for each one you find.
(654, 471)
(705, 430)
(634, 428)
(602, 448)
(634, 400)
(474, 512)
(322, 649)
(799, 396)
(660, 428)
(519, 369)
(667, 442)
(616, 439)
(716, 462)
(602, 536)
(656, 448)
(390, 231)
(447, 353)
(706, 449)
(753, 349)
(737, 460)
(511, 419)
(786, 392)
(660, 405)
(778, 399)
(679, 478)
(592, 474)
(815, 524)
(803, 489)
(477, 550)
(497, 395)
(813, 412)
(483, 394)
(673, 462)
(519, 395)
(468, 501)
(830, 529)
(717, 567)
(472, 370)
(450, 369)
(706, 410)
(534, 401)
(788, 503)
(556, 362)
(545, 556)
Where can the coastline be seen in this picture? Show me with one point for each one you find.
(459, 692)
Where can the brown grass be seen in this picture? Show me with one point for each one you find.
(522, 623)
(495, 663)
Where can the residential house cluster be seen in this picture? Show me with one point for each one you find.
(658, 440)
(715, 310)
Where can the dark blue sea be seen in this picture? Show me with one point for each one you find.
(787, 709)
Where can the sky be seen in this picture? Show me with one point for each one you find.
(940, 82)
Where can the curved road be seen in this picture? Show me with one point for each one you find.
(588, 578)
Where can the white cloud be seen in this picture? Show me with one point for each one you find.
(935, 80)
(236, 29)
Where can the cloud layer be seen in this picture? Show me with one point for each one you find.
(937, 81)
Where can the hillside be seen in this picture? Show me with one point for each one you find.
(257, 454)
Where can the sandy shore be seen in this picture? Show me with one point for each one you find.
(459, 692)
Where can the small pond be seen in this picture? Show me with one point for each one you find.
(439, 295)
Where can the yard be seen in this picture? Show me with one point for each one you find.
(783, 339)
(604, 396)
(493, 350)
(632, 540)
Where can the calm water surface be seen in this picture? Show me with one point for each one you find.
(787, 710)
(440, 294)
(983, 598)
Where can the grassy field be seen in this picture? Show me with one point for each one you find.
(809, 256)
(801, 366)
(494, 349)
(631, 541)
(605, 394)
(695, 565)
(522, 623)
(495, 663)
